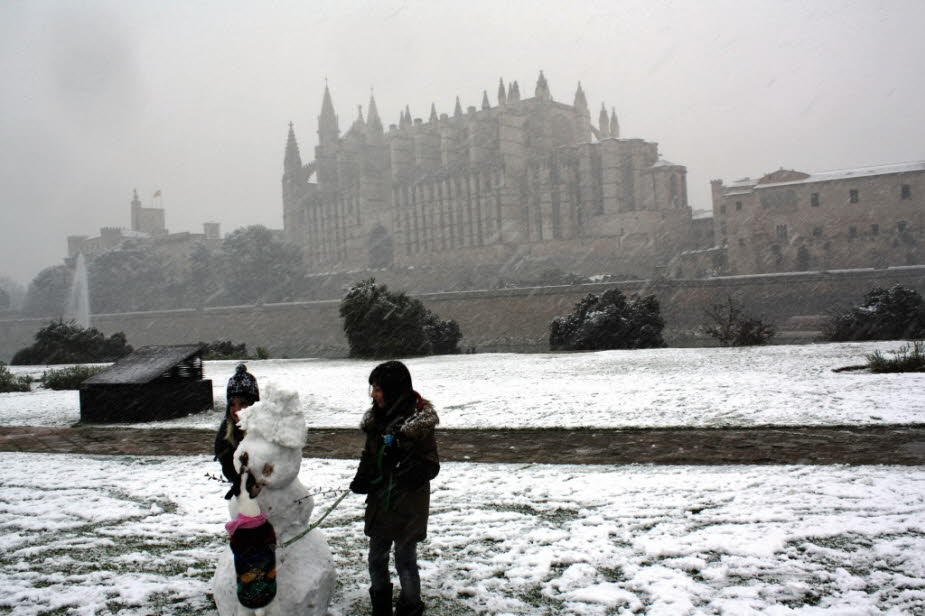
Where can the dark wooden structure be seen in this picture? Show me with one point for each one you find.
(153, 383)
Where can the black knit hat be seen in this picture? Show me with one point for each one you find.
(393, 378)
(242, 385)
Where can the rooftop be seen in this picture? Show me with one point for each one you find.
(145, 365)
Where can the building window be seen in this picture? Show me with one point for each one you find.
(853, 195)
(782, 232)
(742, 242)
(722, 209)
(907, 191)
(852, 231)
(874, 229)
(901, 226)
(817, 231)
(814, 199)
(722, 228)
(738, 205)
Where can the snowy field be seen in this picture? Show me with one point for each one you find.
(779, 385)
(89, 535)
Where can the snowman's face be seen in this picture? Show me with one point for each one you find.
(270, 464)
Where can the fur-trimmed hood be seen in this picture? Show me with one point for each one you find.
(416, 425)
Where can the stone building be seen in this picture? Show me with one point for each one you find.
(147, 233)
(148, 220)
(529, 180)
(853, 218)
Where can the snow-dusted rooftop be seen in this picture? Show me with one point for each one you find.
(859, 172)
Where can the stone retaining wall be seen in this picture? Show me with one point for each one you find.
(496, 320)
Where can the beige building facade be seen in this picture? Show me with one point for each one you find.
(794, 221)
(525, 180)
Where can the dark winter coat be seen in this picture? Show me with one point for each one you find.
(224, 453)
(396, 477)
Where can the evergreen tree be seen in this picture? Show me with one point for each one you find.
(884, 314)
(260, 267)
(48, 292)
(380, 323)
(66, 342)
(609, 321)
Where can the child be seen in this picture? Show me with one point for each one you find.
(398, 461)
(240, 393)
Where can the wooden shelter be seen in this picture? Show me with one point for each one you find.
(154, 382)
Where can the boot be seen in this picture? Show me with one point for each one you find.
(414, 607)
(382, 601)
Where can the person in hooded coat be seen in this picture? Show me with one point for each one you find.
(397, 463)
(240, 393)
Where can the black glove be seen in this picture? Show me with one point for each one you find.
(359, 485)
(234, 490)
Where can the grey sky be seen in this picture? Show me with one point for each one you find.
(194, 99)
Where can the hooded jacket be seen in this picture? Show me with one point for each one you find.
(398, 461)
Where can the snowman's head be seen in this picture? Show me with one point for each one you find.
(274, 434)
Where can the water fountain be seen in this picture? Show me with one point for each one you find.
(78, 300)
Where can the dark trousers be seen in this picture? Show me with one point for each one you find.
(406, 563)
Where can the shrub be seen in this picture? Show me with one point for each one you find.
(69, 378)
(9, 382)
(66, 342)
(909, 358)
(609, 321)
(732, 326)
(380, 323)
(444, 334)
(224, 349)
(884, 314)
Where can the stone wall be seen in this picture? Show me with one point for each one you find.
(497, 320)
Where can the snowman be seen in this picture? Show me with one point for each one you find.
(268, 460)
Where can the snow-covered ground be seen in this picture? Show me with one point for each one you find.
(129, 535)
(783, 385)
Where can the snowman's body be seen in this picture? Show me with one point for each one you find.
(272, 452)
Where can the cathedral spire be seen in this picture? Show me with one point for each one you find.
(603, 122)
(433, 114)
(373, 122)
(580, 101)
(327, 121)
(542, 88)
(293, 160)
(485, 103)
(502, 97)
(405, 119)
(614, 125)
(359, 124)
(516, 96)
(457, 111)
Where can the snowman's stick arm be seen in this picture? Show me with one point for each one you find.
(314, 524)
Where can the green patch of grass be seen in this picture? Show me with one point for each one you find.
(908, 358)
(535, 597)
(68, 378)
(557, 515)
(613, 574)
